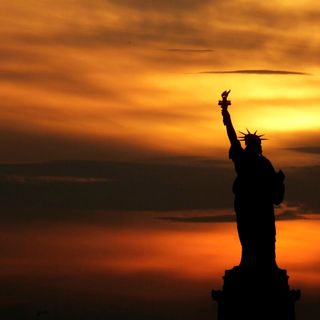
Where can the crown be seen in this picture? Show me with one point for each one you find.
(251, 137)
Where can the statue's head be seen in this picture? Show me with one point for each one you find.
(253, 142)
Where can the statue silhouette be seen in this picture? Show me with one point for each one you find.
(257, 288)
(257, 188)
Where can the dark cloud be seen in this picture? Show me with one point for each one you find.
(304, 141)
(310, 149)
(126, 186)
(197, 161)
(190, 50)
(289, 214)
(71, 189)
(52, 179)
(164, 5)
(19, 55)
(302, 187)
(203, 219)
(50, 75)
(273, 72)
(175, 32)
(167, 116)
(31, 145)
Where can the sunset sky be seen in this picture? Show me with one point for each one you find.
(133, 79)
(111, 134)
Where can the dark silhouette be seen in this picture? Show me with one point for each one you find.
(257, 288)
(257, 188)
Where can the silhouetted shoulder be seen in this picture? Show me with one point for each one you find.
(235, 151)
(266, 163)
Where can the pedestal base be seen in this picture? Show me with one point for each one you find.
(256, 294)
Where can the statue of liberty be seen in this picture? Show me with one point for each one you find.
(257, 188)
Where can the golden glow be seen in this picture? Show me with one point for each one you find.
(189, 251)
(123, 80)
(92, 70)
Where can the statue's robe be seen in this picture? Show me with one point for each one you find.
(255, 189)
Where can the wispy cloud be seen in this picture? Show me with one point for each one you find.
(202, 219)
(309, 149)
(285, 212)
(257, 71)
(290, 212)
(190, 50)
(53, 179)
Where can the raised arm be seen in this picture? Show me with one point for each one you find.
(228, 123)
(226, 117)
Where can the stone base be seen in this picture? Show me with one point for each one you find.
(256, 294)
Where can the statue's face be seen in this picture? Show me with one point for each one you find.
(253, 144)
(254, 148)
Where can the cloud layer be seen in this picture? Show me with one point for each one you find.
(69, 190)
(272, 72)
(125, 72)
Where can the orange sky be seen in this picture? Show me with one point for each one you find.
(142, 260)
(113, 79)
(140, 80)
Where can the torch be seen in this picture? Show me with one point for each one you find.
(224, 103)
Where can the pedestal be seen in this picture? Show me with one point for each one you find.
(256, 294)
